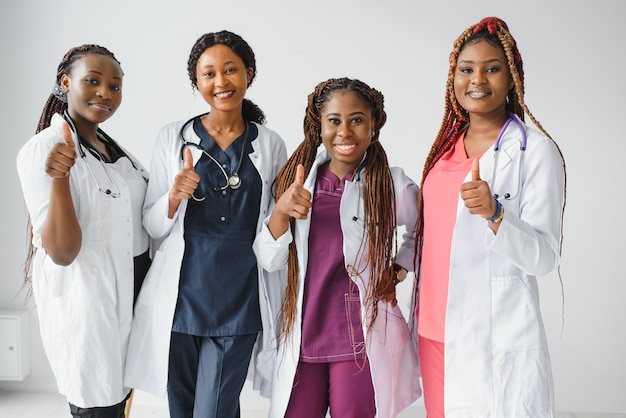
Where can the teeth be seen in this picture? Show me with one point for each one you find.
(477, 94)
(345, 147)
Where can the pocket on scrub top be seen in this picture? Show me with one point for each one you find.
(355, 329)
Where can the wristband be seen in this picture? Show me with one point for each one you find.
(497, 217)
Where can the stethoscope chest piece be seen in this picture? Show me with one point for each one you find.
(234, 181)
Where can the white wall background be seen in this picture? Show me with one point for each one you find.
(574, 60)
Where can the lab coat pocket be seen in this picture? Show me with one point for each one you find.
(395, 365)
(56, 280)
(516, 321)
(391, 329)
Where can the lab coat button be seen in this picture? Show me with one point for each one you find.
(222, 218)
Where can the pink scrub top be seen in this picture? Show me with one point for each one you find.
(441, 196)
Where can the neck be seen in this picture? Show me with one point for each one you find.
(482, 133)
(84, 128)
(224, 127)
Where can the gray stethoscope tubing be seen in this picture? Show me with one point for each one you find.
(233, 181)
(81, 150)
(496, 152)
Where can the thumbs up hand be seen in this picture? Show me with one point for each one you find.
(62, 156)
(476, 194)
(186, 181)
(296, 201)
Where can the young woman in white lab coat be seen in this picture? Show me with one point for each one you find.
(89, 250)
(344, 344)
(200, 313)
(491, 206)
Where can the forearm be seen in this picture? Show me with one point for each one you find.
(61, 234)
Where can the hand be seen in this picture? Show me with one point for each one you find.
(186, 181)
(400, 274)
(296, 200)
(62, 156)
(477, 196)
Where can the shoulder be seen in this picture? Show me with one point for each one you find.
(42, 141)
(172, 127)
(265, 132)
(269, 139)
(399, 176)
(538, 144)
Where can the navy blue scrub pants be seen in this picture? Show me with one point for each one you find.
(206, 375)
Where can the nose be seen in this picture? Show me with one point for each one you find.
(221, 79)
(104, 92)
(477, 77)
(344, 130)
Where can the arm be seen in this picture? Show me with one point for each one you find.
(61, 235)
(160, 207)
(295, 202)
(406, 214)
(530, 237)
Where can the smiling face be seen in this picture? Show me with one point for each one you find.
(222, 78)
(94, 89)
(482, 79)
(347, 128)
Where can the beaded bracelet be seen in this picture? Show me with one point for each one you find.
(497, 217)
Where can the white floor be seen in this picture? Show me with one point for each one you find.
(52, 405)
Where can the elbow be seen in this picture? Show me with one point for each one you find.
(64, 258)
(64, 255)
(63, 261)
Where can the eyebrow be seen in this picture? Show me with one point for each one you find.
(489, 61)
(100, 73)
(224, 64)
(358, 112)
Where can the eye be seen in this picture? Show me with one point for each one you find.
(116, 87)
(333, 121)
(92, 81)
(356, 120)
(493, 69)
(208, 74)
(230, 70)
(465, 70)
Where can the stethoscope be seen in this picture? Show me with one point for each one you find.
(113, 192)
(496, 153)
(234, 180)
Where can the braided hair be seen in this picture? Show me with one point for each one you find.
(57, 103)
(495, 32)
(250, 111)
(379, 235)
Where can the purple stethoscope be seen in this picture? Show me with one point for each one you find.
(496, 153)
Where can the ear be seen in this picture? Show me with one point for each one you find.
(65, 83)
(250, 74)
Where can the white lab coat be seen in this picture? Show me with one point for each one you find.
(148, 352)
(496, 354)
(392, 354)
(85, 308)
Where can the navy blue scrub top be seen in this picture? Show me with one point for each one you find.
(218, 290)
